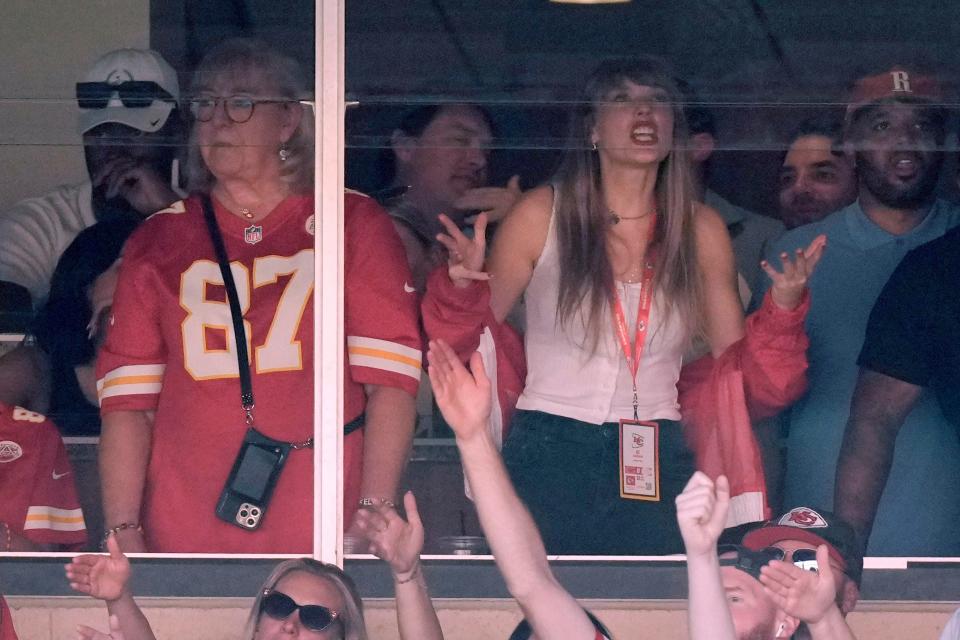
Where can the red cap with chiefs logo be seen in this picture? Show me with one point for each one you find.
(898, 84)
(815, 527)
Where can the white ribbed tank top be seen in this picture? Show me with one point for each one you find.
(565, 378)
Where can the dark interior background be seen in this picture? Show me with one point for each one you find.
(763, 65)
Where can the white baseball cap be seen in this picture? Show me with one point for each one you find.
(129, 65)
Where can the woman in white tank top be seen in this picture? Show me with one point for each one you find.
(614, 258)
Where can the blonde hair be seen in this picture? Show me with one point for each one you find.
(351, 617)
(243, 59)
(586, 275)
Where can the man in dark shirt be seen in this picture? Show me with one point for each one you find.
(912, 343)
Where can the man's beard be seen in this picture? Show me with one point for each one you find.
(912, 196)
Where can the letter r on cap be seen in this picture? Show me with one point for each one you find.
(901, 81)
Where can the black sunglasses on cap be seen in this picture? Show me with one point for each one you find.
(280, 606)
(135, 94)
(752, 561)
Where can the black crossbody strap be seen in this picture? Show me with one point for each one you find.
(236, 314)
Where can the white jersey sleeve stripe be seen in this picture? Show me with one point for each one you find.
(114, 376)
(386, 364)
(394, 348)
(54, 519)
(131, 380)
(131, 389)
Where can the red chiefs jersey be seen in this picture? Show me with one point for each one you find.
(171, 349)
(7, 632)
(36, 480)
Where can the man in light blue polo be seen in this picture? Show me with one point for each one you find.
(895, 127)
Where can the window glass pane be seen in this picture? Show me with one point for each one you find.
(103, 129)
(449, 98)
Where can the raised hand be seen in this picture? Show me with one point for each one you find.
(495, 202)
(465, 255)
(807, 595)
(463, 397)
(396, 541)
(103, 577)
(88, 633)
(702, 512)
(136, 182)
(788, 285)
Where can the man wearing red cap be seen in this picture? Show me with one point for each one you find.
(894, 127)
(799, 532)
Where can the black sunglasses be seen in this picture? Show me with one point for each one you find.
(135, 94)
(752, 561)
(279, 606)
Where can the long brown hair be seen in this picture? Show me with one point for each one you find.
(586, 275)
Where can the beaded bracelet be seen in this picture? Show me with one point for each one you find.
(123, 526)
(414, 573)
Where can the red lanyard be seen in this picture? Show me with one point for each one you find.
(643, 316)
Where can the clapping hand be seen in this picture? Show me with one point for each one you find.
(463, 397)
(806, 595)
(702, 512)
(788, 285)
(465, 255)
(396, 541)
(103, 577)
(88, 633)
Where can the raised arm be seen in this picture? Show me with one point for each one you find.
(879, 407)
(464, 399)
(518, 245)
(701, 513)
(398, 542)
(107, 578)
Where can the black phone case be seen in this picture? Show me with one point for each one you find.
(242, 510)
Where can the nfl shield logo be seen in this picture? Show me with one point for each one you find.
(253, 234)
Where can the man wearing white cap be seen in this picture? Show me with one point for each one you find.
(131, 136)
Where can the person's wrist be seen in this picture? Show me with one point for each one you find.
(827, 619)
(409, 575)
(788, 301)
(477, 436)
(127, 530)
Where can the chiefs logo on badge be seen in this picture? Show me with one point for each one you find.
(253, 234)
(804, 518)
(9, 451)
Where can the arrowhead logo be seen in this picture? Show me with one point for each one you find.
(803, 518)
(9, 451)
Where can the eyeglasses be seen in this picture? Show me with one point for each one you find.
(280, 606)
(239, 109)
(806, 559)
(134, 94)
(752, 561)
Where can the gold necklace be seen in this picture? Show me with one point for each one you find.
(246, 213)
(614, 218)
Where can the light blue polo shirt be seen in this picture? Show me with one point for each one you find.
(919, 512)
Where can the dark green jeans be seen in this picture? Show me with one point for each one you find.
(566, 471)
